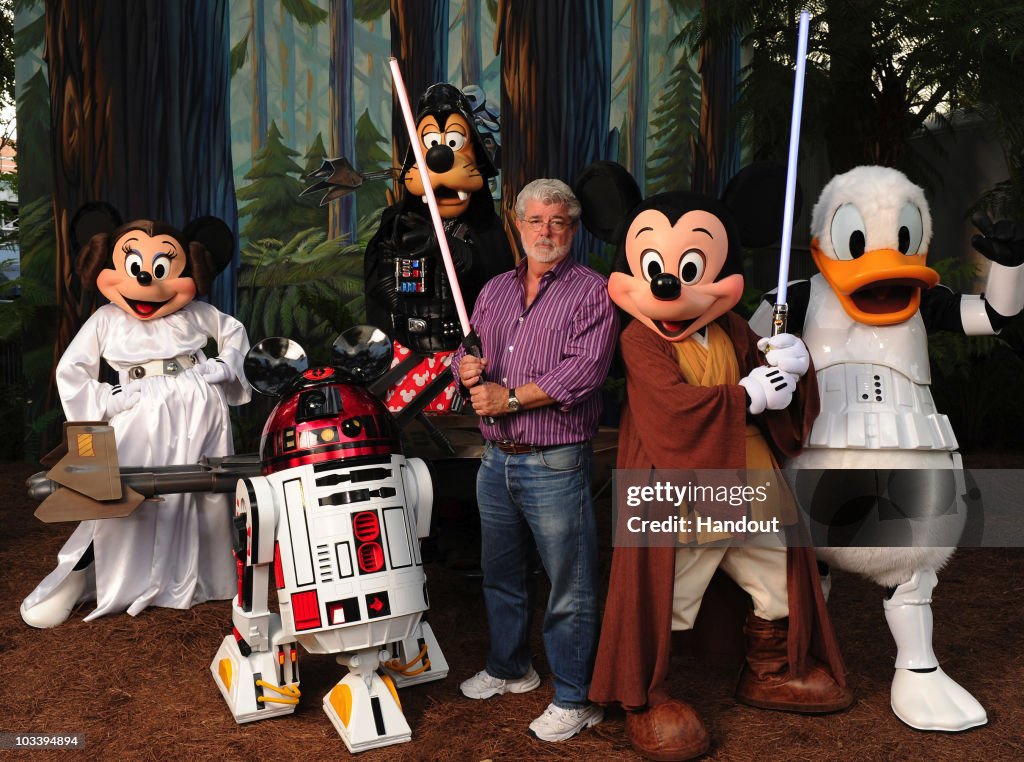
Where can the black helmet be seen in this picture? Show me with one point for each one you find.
(443, 99)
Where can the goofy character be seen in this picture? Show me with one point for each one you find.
(407, 289)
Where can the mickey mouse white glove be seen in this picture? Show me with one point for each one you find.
(786, 352)
(122, 399)
(768, 388)
(215, 371)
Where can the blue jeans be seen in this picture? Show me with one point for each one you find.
(546, 494)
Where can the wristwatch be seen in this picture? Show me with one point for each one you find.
(513, 403)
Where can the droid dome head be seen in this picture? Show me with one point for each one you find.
(324, 414)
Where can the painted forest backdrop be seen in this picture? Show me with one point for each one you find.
(178, 108)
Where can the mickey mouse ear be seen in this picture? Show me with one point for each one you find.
(362, 353)
(216, 236)
(273, 364)
(93, 218)
(607, 193)
(757, 198)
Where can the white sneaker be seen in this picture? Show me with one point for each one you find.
(484, 685)
(557, 724)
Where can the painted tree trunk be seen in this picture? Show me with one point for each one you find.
(258, 59)
(419, 40)
(555, 93)
(343, 133)
(471, 74)
(636, 115)
(139, 116)
(286, 44)
(855, 124)
(715, 152)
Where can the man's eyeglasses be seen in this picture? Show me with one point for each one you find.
(557, 225)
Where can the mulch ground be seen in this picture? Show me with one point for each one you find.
(140, 688)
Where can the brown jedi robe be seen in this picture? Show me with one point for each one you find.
(668, 423)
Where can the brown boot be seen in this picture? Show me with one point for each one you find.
(767, 682)
(668, 732)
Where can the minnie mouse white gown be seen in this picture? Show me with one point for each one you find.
(176, 552)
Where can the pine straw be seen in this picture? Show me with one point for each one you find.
(140, 688)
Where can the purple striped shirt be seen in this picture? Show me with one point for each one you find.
(563, 342)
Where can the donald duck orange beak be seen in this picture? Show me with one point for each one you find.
(880, 287)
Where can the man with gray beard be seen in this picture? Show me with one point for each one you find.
(547, 332)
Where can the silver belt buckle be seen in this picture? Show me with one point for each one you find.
(417, 325)
(171, 368)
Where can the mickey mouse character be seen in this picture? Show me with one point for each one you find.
(169, 407)
(700, 396)
(407, 290)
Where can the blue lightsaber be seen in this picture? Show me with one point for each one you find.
(781, 311)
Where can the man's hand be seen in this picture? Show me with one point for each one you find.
(471, 370)
(489, 399)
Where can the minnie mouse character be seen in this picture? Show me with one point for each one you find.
(170, 406)
(700, 396)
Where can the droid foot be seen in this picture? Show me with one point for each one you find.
(418, 658)
(259, 686)
(55, 609)
(367, 713)
(934, 701)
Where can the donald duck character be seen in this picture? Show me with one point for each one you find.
(865, 318)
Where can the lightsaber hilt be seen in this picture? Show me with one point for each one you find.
(780, 318)
(473, 347)
(794, 145)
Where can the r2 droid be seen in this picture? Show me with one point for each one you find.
(334, 523)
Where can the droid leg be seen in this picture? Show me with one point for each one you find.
(923, 696)
(364, 706)
(258, 685)
(256, 668)
(418, 658)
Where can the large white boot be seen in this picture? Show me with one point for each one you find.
(56, 608)
(928, 700)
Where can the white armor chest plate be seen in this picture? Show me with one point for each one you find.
(873, 381)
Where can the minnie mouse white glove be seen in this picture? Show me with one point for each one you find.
(122, 399)
(768, 389)
(215, 371)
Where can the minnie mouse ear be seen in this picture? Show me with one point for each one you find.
(93, 218)
(215, 236)
(757, 198)
(607, 193)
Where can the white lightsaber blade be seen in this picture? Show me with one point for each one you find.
(428, 191)
(781, 309)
